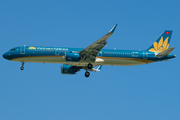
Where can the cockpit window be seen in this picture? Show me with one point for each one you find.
(12, 49)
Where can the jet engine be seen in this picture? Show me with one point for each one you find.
(72, 57)
(68, 69)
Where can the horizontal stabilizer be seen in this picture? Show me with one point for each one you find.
(165, 53)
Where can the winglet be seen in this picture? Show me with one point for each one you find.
(113, 29)
(98, 69)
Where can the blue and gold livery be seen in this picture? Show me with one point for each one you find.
(74, 59)
(162, 43)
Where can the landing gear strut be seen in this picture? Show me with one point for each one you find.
(87, 74)
(89, 66)
(22, 67)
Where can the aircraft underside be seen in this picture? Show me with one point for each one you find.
(104, 61)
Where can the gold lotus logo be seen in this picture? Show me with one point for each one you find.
(159, 47)
(32, 48)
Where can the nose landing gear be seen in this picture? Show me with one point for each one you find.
(22, 67)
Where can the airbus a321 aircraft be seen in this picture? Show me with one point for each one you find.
(74, 59)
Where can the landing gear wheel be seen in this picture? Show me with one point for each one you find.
(87, 74)
(22, 68)
(89, 66)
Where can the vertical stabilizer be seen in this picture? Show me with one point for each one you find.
(162, 43)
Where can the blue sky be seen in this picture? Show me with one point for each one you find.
(41, 92)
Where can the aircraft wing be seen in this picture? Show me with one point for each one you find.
(91, 51)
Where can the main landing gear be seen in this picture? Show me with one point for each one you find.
(22, 67)
(87, 74)
(89, 66)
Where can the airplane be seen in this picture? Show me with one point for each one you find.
(74, 59)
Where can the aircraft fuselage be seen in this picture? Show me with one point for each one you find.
(104, 57)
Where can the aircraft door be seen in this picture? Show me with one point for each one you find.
(57, 52)
(22, 50)
(145, 55)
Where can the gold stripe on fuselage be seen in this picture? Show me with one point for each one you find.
(134, 59)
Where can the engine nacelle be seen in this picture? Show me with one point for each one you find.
(72, 57)
(68, 69)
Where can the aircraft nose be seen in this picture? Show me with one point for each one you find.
(5, 56)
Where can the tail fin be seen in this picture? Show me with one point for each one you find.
(162, 43)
